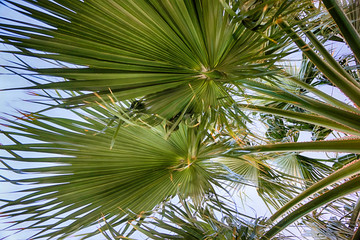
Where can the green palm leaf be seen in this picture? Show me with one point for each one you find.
(190, 222)
(89, 179)
(254, 171)
(339, 191)
(141, 48)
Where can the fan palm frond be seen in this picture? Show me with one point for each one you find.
(142, 48)
(189, 222)
(88, 179)
(254, 171)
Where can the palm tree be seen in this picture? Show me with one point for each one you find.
(165, 94)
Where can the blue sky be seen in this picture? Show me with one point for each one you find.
(11, 101)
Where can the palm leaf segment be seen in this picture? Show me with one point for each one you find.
(188, 222)
(138, 48)
(139, 172)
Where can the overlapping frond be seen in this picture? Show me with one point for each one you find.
(142, 48)
(189, 221)
(89, 179)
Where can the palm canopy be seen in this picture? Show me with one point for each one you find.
(139, 48)
(173, 84)
(140, 171)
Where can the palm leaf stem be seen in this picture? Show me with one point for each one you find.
(348, 31)
(356, 235)
(346, 172)
(329, 99)
(350, 119)
(355, 215)
(303, 117)
(346, 86)
(348, 187)
(340, 145)
(328, 57)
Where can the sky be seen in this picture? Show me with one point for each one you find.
(13, 101)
